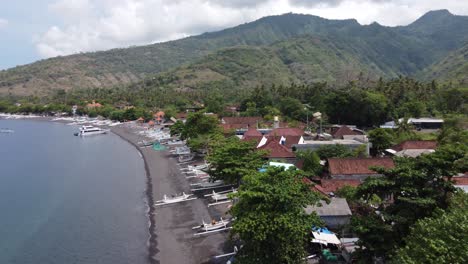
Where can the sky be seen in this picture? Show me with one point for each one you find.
(37, 29)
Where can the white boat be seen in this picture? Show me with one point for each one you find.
(91, 130)
(176, 199)
(213, 227)
(220, 197)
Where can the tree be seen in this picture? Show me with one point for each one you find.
(442, 238)
(311, 162)
(334, 151)
(270, 217)
(199, 124)
(231, 159)
(177, 128)
(381, 139)
(417, 186)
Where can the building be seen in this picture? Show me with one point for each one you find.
(339, 132)
(278, 152)
(313, 145)
(159, 117)
(413, 148)
(329, 187)
(461, 182)
(93, 105)
(418, 123)
(240, 123)
(335, 214)
(356, 168)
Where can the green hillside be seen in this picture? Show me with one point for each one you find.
(300, 60)
(387, 51)
(452, 68)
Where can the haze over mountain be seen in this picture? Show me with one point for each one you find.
(276, 49)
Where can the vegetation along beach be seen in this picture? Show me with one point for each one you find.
(234, 132)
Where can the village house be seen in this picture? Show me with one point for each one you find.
(329, 187)
(461, 182)
(418, 123)
(93, 105)
(338, 132)
(240, 123)
(278, 152)
(314, 145)
(335, 214)
(413, 148)
(356, 168)
(159, 117)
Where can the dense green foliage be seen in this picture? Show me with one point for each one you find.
(441, 238)
(232, 158)
(270, 217)
(417, 186)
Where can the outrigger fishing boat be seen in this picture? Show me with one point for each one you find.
(207, 185)
(212, 227)
(220, 197)
(198, 174)
(186, 158)
(175, 199)
(195, 167)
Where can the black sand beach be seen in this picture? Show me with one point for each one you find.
(172, 239)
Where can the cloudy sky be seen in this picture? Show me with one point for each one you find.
(37, 29)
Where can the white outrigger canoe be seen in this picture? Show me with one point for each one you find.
(213, 227)
(175, 199)
(220, 197)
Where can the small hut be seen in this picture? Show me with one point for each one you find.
(159, 117)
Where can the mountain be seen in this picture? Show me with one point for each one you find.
(376, 49)
(454, 68)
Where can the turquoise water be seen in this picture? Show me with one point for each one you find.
(67, 199)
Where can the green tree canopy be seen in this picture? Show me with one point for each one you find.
(199, 124)
(381, 139)
(270, 217)
(440, 239)
(232, 158)
(417, 186)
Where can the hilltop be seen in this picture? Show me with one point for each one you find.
(339, 45)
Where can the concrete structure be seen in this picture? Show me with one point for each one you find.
(335, 214)
(351, 144)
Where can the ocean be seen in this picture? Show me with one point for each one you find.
(66, 199)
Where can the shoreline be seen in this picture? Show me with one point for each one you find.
(171, 238)
(152, 241)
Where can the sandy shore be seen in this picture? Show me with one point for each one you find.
(171, 234)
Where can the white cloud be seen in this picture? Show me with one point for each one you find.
(90, 25)
(3, 23)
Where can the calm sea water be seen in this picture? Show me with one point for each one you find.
(66, 199)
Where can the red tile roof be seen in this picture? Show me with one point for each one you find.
(315, 187)
(358, 166)
(334, 185)
(286, 131)
(277, 150)
(229, 127)
(415, 144)
(463, 180)
(252, 132)
(344, 131)
(291, 140)
(247, 120)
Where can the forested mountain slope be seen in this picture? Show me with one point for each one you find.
(387, 51)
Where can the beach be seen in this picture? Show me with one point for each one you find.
(171, 236)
